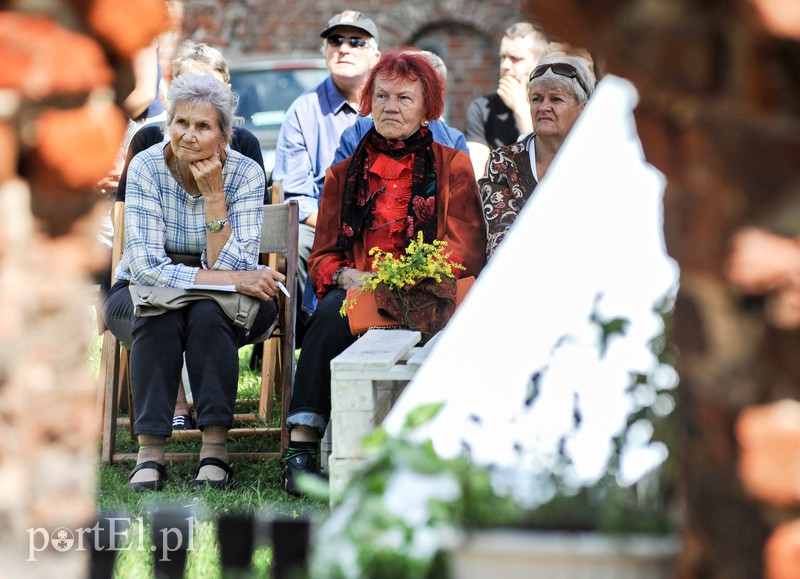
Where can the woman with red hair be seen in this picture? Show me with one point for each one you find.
(397, 183)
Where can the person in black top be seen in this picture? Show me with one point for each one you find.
(499, 118)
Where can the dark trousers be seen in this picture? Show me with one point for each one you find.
(327, 336)
(210, 342)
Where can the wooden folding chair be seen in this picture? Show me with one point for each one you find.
(274, 354)
(279, 243)
(279, 249)
(113, 357)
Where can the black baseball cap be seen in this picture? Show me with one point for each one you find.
(354, 19)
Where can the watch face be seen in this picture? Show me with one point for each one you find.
(216, 226)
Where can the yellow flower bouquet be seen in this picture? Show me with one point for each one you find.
(418, 289)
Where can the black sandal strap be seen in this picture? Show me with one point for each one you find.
(160, 468)
(211, 461)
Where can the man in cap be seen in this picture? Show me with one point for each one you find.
(315, 121)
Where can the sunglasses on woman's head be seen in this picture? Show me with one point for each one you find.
(561, 69)
(354, 41)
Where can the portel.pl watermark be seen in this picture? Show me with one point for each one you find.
(113, 534)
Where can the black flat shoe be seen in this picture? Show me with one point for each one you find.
(223, 483)
(150, 485)
(302, 463)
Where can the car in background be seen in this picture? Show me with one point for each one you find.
(267, 85)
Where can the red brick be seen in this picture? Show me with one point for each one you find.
(469, 39)
(127, 26)
(76, 147)
(8, 144)
(782, 552)
(781, 18)
(36, 53)
(769, 464)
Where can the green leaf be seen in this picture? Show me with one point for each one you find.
(313, 486)
(422, 414)
(375, 439)
(609, 329)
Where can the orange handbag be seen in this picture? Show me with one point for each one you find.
(365, 315)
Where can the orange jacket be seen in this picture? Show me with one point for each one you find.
(460, 219)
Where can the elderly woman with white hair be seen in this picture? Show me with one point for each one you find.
(193, 215)
(558, 90)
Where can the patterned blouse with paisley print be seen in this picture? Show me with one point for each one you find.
(508, 185)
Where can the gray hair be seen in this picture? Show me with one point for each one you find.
(552, 80)
(203, 88)
(201, 53)
(436, 62)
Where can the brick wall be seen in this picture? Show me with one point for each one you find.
(66, 71)
(465, 33)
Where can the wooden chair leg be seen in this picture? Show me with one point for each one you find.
(100, 408)
(125, 382)
(269, 378)
(110, 375)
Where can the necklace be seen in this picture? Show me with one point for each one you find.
(179, 177)
(177, 172)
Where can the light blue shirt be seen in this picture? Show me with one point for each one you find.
(307, 142)
(161, 217)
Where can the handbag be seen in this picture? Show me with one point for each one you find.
(153, 301)
(365, 313)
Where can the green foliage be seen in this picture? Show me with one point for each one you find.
(422, 414)
(605, 506)
(608, 327)
(376, 539)
(419, 261)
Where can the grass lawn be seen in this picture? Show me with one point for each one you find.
(258, 491)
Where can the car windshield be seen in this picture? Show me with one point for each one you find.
(265, 95)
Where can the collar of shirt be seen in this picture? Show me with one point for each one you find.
(335, 99)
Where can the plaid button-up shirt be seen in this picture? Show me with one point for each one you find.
(161, 217)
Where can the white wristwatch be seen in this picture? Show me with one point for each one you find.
(216, 225)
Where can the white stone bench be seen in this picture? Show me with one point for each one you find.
(366, 380)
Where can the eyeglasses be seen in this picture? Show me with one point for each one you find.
(561, 69)
(354, 41)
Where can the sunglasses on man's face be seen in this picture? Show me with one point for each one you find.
(354, 41)
(561, 69)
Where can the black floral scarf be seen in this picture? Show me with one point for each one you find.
(356, 200)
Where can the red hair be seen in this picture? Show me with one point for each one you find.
(406, 64)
